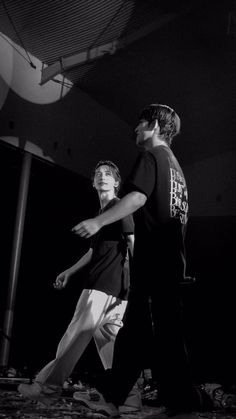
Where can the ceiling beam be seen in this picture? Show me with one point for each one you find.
(88, 55)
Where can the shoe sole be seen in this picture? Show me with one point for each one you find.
(94, 406)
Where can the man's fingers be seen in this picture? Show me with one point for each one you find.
(85, 229)
(74, 229)
(79, 228)
(85, 234)
(81, 231)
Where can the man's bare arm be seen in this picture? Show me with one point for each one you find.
(63, 278)
(126, 206)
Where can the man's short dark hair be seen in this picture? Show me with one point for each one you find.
(168, 120)
(114, 169)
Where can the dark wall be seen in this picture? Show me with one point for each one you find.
(57, 200)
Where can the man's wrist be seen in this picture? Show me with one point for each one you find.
(100, 219)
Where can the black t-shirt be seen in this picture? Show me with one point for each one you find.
(106, 270)
(160, 223)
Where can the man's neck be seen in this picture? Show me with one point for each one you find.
(154, 142)
(105, 197)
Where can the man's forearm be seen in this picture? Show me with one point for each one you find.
(126, 206)
(83, 261)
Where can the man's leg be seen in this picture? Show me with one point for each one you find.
(89, 312)
(173, 374)
(129, 352)
(107, 331)
(104, 337)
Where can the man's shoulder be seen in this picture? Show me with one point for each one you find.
(162, 153)
(148, 155)
(160, 149)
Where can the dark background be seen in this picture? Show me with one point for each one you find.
(57, 200)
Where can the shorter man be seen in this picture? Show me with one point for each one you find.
(101, 306)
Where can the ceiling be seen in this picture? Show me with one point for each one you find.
(126, 53)
(76, 37)
(55, 29)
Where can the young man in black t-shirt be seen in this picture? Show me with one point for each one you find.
(156, 194)
(101, 306)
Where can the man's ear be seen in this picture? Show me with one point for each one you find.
(153, 125)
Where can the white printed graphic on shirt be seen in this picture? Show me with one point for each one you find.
(178, 196)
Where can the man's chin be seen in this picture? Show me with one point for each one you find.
(140, 144)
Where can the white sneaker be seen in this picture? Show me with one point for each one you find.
(39, 392)
(95, 401)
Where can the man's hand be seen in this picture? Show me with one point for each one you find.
(61, 280)
(87, 228)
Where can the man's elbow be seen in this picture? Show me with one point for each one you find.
(140, 199)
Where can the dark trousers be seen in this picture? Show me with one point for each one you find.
(153, 334)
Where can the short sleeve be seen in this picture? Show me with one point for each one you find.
(127, 225)
(143, 175)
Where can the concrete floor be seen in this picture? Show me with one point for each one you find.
(13, 405)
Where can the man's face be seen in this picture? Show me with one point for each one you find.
(104, 179)
(144, 131)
